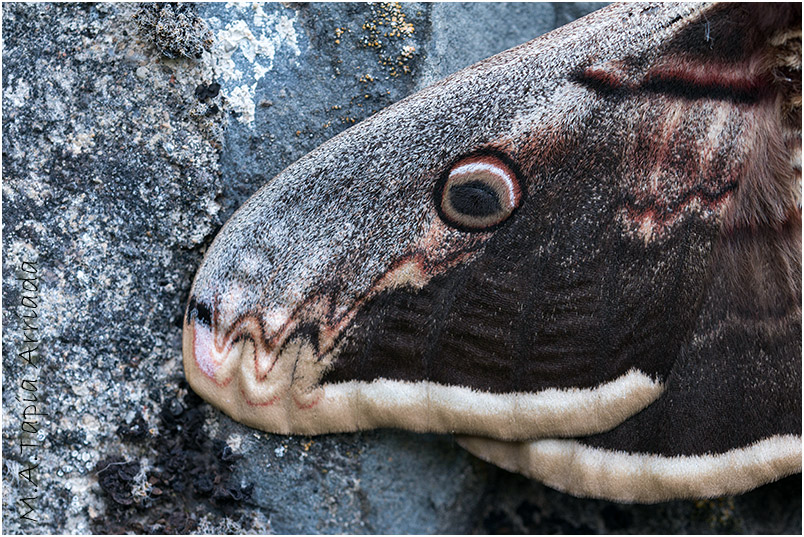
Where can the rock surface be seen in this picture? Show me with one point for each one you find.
(123, 153)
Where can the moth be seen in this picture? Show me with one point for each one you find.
(582, 256)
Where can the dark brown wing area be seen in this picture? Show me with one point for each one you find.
(738, 378)
(730, 417)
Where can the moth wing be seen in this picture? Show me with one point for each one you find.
(730, 417)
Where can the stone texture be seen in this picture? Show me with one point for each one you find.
(119, 164)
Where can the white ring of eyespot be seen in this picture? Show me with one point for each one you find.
(503, 173)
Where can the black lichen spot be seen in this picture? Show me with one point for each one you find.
(228, 455)
(189, 473)
(174, 407)
(204, 92)
(115, 478)
(135, 430)
(204, 485)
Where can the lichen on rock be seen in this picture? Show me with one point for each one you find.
(175, 29)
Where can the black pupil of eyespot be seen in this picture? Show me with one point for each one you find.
(474, 198)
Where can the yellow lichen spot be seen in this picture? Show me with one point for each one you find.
(390, 15)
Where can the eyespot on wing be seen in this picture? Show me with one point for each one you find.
(479, 192)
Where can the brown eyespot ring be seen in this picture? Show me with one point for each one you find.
(478, 192)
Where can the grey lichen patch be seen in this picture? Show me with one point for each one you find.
(249, 39)
(175, 29)
(110, 180)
